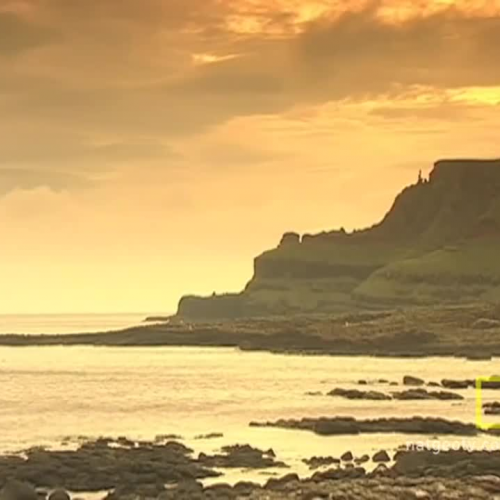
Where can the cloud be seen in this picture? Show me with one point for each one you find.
(23, 179)
(129, 78)
(361, 53)
(18, 34)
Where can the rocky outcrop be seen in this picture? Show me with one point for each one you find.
(421, 394)
(241, 457)
(437, 242)
(355, 394)
(347, 425)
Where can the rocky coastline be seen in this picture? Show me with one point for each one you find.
(436, 331)
(168, 470)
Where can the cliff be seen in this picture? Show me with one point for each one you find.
(438, 242)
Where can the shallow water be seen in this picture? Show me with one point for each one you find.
(48, 393)
(46, 324)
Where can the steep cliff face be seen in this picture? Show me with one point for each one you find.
(437, 242)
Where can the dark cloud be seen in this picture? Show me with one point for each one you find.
(359, 53)
(136, 84)
(18, 34)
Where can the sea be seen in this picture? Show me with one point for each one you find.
(51, 396)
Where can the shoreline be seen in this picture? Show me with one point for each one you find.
(120, 468)
(469, 331)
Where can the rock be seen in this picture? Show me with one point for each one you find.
(381, 470)
(362, 382)
(381, 456)
(492, 408)
(185, 490)
(347, 457)
(409, 380)
(416, 394)
(59, 494)
(491, 384)
(449, 464)
(355, 394)
(241, 457)
(220, 492)
(317, 462)
(17, 490)
(362, 460)
(212, 435)
(280, 483)
(433, 384)
(347, 425)
(245, 488)
(290, 239)
(457, 384)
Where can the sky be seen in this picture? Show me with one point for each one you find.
(153, 148)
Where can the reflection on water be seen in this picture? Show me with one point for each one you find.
(48, 393)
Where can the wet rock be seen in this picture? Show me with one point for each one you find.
(317, 462)
(186, 490)
(280, 483)
(241, 456)
(449, 464)
(219, 492)
(415, 381)
(381, 470)
(107, 464)
(59, 494)
(18, 490)
(491, 384)
(362, 460)
(381, 456)
(245, 488)
(212, 435)
(492, 408)
(355, 394)
(416, 394)
(457, 384)
(347, 425)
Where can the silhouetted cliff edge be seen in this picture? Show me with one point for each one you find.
(439, 242)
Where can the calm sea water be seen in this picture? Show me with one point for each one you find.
(68, 323)
(48, 393)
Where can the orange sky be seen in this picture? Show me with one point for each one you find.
(151, 148)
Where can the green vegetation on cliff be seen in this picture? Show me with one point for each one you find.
(437, 243)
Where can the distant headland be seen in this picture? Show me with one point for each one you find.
(439, 242)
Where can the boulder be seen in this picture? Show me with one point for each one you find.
(381, 457)
(59, 494)
(355, 394)
(457, 384)
(17, 490)
(347, 457)
(415, 381)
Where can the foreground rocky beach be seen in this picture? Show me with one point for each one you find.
(166, 469)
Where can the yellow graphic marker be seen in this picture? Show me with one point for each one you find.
(479, 403)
